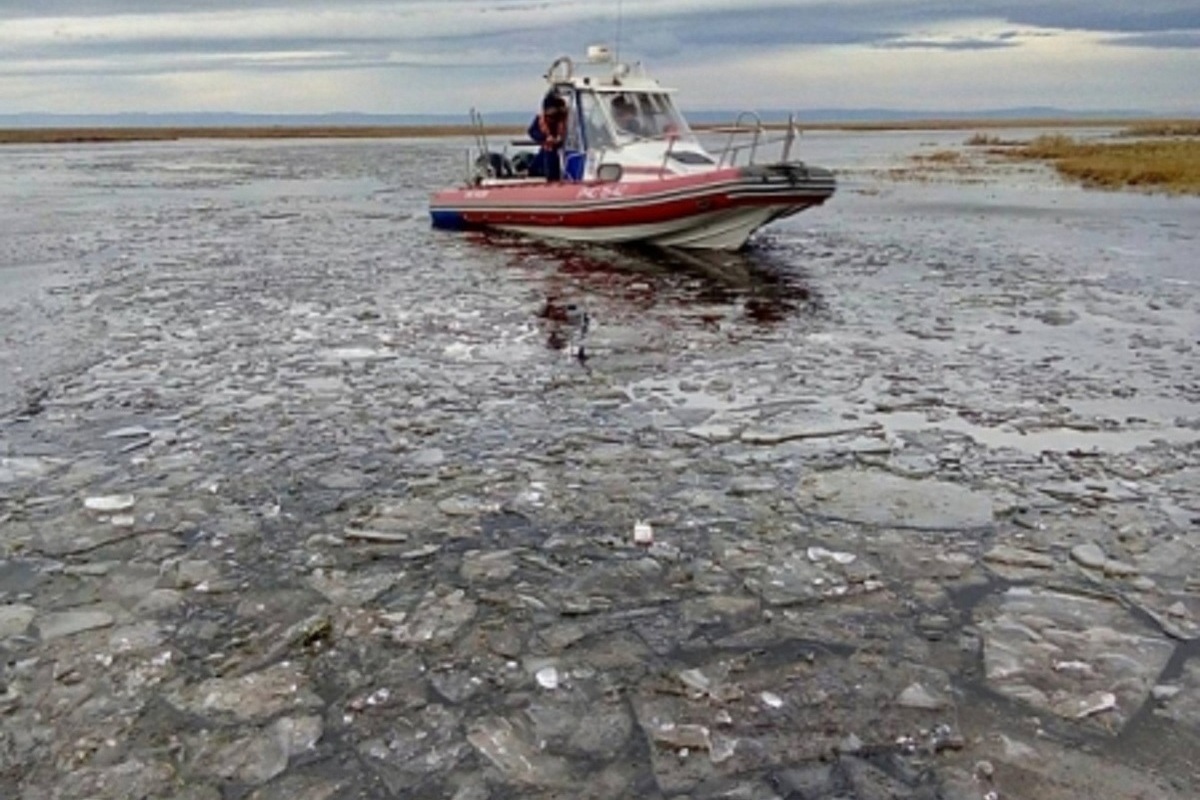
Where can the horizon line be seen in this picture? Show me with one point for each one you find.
(27, 119)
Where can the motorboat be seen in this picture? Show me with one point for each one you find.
(638, 176)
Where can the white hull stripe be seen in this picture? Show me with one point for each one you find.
(724, 230)
(734, 190)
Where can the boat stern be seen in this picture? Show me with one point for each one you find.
(790, 178)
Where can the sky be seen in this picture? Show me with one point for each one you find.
(446, 56)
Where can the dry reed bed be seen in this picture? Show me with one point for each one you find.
(1034, 123)
(1166, 127)
(1168, 160)
(85, 135)
(107, 134)
(1168, 165)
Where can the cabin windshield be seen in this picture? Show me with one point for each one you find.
(613, 119)
(645, 115)
(597, 128)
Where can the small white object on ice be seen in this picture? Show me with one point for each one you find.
(1072, 666)
(816, 554)
(131, 432)
(772, 700)
(642, 533)
(547, 678)
(1096, 704)
(109, 503)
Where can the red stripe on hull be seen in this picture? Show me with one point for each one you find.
(620, 204)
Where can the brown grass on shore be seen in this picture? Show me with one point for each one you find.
(106, 134)
(990, 140)
(953, 166)
(973, 125)
(1170, 165)
(1166, 127)
(82, 135)
(961, 124)
(940, 157)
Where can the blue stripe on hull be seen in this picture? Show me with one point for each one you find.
(449, 220)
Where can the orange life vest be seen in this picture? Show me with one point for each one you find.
(553, 138)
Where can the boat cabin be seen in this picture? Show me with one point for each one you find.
(624, 117)
(624, 122)
(632, 171)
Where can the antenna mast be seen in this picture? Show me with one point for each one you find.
(617, 46)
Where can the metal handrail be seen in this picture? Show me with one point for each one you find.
(790, 139)
(481, 143)
(671, 139)
(729, 149)
(729, 153)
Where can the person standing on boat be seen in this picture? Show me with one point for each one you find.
(549, 129)
(625, 116)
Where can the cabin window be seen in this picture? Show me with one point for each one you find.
(595, 124)
(651, 113)
(646, 114)
(628, 116)
(688, 157)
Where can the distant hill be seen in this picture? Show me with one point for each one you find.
(823, 115)
(814, 115)
(228, 120)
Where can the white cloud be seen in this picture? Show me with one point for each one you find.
(1057, 68)
(397, 21)
(446, 55)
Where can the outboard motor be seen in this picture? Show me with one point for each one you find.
(521, 162)
(494, 165)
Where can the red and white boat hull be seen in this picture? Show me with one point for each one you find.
(719, 209)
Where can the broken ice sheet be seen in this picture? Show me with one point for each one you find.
(108, 504)
(818, 554)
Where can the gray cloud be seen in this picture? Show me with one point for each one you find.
(216, 46)
(90, 38)
(1123, 17)
(19, 9)
(1171, 40)
(953, 44)
(1093, 15)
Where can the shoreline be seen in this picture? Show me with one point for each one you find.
(99, 135)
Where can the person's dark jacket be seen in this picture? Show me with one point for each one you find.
(549, 132)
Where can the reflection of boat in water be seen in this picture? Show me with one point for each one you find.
(761, 283)
(639, 177)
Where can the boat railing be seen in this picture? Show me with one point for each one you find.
(671, 139)
(483, 161)
(757, 132)
(748, 135)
